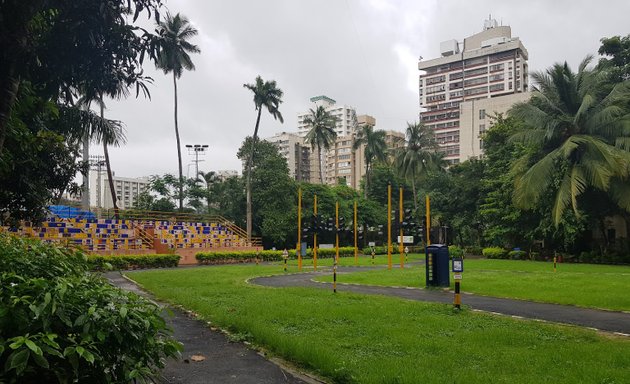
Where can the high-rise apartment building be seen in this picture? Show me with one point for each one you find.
(488, 65)
(127, 190)
(291, 147)
(346, 116)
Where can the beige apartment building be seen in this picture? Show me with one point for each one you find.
(291, 147)
(484, 72)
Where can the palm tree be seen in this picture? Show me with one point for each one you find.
(210, 178)
(321, 134)
(375, 149)
(106, 132)
(173, 56)
(418, 156)
(579, 124)
(267, 95)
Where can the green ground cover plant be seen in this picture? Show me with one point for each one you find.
(584, 285)
(60, 323)
(353, 338)
(348, 261)
(118, 262)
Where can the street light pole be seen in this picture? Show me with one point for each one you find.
(197, 149)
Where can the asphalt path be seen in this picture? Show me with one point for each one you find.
(610, 321)
(208, 355)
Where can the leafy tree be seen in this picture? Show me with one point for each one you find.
(101, 46)
(267, 95)
(173, 56)
(617, 52)
(418, 157)
(274, 192)
(321, 134)
(375, 149)
(579, 127)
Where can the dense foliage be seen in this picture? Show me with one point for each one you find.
(59, 323)
(120, 262)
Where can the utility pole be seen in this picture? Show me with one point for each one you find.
(97, 162)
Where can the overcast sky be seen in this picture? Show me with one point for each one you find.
(360, 53)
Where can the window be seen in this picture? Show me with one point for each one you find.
(482, 114)
(482, 128)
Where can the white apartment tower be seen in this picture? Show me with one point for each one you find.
(346, 116)
(127, 190)
(488, 65)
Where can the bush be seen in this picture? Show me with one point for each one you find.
(517, 255)
(118, 262)
(60, 323)
(473, 250)
(495, 253)
(225, 257)
(455, 251)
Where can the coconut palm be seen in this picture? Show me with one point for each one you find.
(579, 125)
(418, 156)
(375, 149)
(106, 132)
(173, 56)
(210, 179)
(321, 134)
(267, 95)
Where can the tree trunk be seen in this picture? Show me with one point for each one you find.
(109, 168)
(321, 169)
(415, 196)
(179, 150)
(85, 188)
(367, 180)
(248, 179)
(8, 91)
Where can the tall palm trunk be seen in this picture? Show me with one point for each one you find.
(321, 169)
(85, 188)
(248, 183)
(367, 180)
(179, 150)
(109, 168)
(415, 196)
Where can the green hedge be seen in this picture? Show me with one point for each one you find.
(223, 257)
(455, 251)
(119, 262)
(60, 323)
(517, 255)
(473, 250)
(495, 253)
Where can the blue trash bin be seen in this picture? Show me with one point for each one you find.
(437, 266)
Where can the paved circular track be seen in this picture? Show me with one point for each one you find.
(610, 321)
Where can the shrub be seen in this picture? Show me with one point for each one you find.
(517, 255)
(60, 323)
(473, 250)
(455, 251)
(118, 262)
(495, 253)
(222, 257)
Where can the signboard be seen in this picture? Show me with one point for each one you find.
(303, 250)
(327, 246)
(406, 239)
(372, 243)
(458, 265)
(457, 276)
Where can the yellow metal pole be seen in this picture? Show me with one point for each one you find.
(356, 248)
(315, 237)
(336, 232)
(389, 226)
(400, 221)
(428, 203)
(299, 234)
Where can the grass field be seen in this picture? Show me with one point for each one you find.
(362, 261)
(372, 339)
(585, 285)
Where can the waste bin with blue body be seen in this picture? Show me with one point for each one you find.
(437, 266)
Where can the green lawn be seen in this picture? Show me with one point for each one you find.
(373, 339)
(585, 285)
(362, 261)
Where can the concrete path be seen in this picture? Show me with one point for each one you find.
(225, 361)
(609, 321)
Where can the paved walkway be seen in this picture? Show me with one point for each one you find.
(610, 321)
(225, 361)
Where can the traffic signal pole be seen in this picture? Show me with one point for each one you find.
(299, 238)
(400, 221)
(389, 226)
(315, 235)
(356, 248)
(428, 208)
